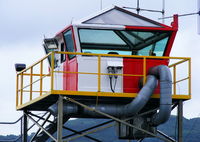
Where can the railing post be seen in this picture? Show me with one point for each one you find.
(52, 71)
(144, 70)
(21, 89)
(31, 81)
(189, 72)
(99, 73)
(41, 75)
(17, 90)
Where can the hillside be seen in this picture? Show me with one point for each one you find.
(191, 129)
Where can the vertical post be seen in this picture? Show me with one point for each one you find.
(21, 90)
(17, 91)
(144, 70)
(180, 121)
(41, 74)
(189, 72)
(52, 69)
(25, 130)
(31, 83)
(21, 130)
(163, 11)
(138, 7)
(99, 73)
(60, 119)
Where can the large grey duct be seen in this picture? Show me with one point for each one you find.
(113, 109)
(163, 73)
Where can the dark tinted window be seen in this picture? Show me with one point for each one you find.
(69, 43)
(62, 56)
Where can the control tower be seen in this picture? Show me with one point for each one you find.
(114, 65)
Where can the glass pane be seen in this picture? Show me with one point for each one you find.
(126, 42)
(160, 47)
(125, 19)
(69, 43)
(145, 51)
(106, 51)
(100, 37)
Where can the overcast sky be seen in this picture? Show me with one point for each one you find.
(24, 23)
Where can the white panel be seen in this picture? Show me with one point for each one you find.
(76, 38)
(90, 82)
(58, 79)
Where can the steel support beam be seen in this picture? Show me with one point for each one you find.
(41, 128)
(32, 139)
(116, 119)
(166, 136)
(25, 128)
(180, 121)
(93, 127)
(60, 119)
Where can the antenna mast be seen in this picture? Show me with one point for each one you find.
(163, 11)
(138, 9)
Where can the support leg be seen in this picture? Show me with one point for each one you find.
(60, 119)
(24, 130)
(180, 121)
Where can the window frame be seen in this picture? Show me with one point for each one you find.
(65, 42)
(167, 34)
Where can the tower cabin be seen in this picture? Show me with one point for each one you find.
(115, 61)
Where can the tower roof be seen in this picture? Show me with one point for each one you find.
(120, 16)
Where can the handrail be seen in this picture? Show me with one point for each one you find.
(21, 86)
(9, 123)
(14, 122)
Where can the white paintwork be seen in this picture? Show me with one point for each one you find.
(114, 63)
(76, 39)
(100, 26)
(58, 79)
(87, 82)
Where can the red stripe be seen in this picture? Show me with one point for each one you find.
(149, 28)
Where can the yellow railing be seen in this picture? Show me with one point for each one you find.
(38, 79)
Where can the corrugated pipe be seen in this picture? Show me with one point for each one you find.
(113, 109)
(163, 73)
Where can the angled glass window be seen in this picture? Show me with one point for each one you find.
(125, 42)
(112, 17)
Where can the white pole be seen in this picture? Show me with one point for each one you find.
(163, 11)
(198, 16)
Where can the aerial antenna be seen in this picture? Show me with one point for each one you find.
(101, 3)
(198, 18)
(188, 14)
(138, 9)
(163, 11)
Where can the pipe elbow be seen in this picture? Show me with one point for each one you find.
(163, 73)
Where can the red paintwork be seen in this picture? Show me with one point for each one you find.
(172, 37)
(135, 67)
(70, 80)
(149, 28)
